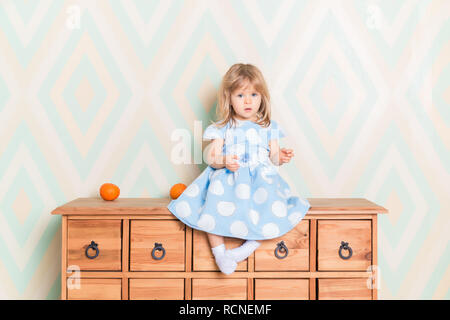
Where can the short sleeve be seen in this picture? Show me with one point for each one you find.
(275, 131)
(214, 132)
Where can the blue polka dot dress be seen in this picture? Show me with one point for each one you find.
(253, 203)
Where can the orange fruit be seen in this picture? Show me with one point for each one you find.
(176, 190)
(109, 191)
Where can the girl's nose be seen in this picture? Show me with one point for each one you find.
(247, 99)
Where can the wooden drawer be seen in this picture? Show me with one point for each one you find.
(219, 289)
(127, 229)
(156, 289)
(281, 289)
(344, 289)
(96, 289)
(203, 259)
(164, 238)
(297, 258)
(331, 234)
(106, 234)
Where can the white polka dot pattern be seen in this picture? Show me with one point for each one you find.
(270, 230)
(207, 222)
(238, 229)
(226, 208)
(253, 202)
(260, 195)
(243, 191)
(279, 209)
(192, 191)
(183, 209)
(217, 188)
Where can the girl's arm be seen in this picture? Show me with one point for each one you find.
(274, 153)
(214, 156)
(215, 159)
(279, 156)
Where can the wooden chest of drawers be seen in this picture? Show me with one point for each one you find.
(134, 248)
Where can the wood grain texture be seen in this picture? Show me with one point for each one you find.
(145, 234)
(127, 231)
(96, 289)
(344, 205)
(219, 289)
(188, 282)
(219, 275)
(297, 259)
(119, 206)
(158, 206)
(64, 258)
(156, 289)
(107, 234)
(312, 257)
(125, 255)
(281, 289)
(343, 289)
(375, 270)
(358, 235)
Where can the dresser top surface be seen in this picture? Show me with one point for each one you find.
(145, 206)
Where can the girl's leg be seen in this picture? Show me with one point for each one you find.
(241, 253)
(214, 240)
(225, 263)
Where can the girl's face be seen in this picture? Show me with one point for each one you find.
(246, 102)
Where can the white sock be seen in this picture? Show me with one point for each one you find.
(246, 249)
(224, 261)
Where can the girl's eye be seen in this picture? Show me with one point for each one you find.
(255, 94)
(239, 95)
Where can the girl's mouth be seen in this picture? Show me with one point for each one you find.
(248, 109)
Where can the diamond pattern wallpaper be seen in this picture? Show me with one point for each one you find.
(92, 92)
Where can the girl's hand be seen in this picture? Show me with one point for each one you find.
(230, 162)
(285, 155)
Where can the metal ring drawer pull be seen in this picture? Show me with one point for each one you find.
(93, 246)
(281, 247)
(345, 246)
(158, 247)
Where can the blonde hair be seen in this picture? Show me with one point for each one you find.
(236, 77)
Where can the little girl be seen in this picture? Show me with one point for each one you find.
(240, 194)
